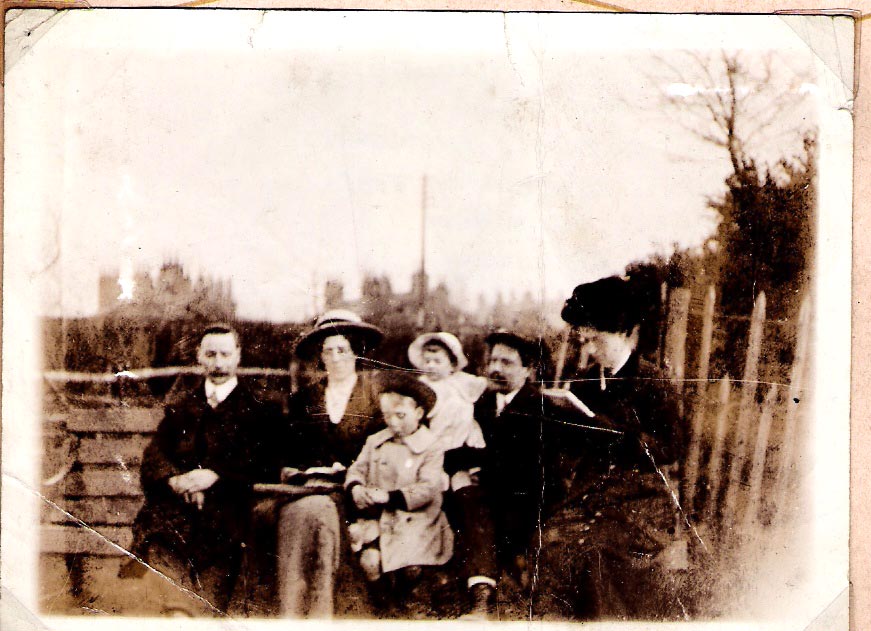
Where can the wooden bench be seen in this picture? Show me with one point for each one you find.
(93, 454)
(100, 487)
(92, 483)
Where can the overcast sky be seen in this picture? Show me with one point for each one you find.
(286, 148)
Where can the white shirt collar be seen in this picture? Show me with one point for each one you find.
(504, 399)
(622, 362)
(223, 390)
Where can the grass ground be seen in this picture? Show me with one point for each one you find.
(103, 593)
(741, 582)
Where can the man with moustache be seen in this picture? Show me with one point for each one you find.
(520, 426)
(197, 475)
(519, 477)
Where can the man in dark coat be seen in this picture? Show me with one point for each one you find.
(600, 554)
(518, 478)
(197, 475)
(520, 426)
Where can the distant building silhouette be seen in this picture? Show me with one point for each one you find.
(379, 304)
(418, 309)
(171, 295)
(334, 294)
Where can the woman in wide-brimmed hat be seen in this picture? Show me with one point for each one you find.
(339, 410)
(362, 335)
(330, 420)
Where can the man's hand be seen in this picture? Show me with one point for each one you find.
(193, 481)
(197, 498)
(178, 484)
(201, 479)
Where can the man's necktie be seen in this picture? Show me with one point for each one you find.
(212, 399)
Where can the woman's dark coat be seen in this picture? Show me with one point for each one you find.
(307, 438)
(600, 548)
(323, 442)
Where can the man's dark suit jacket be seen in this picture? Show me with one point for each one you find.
(230, 440)
(520, 466)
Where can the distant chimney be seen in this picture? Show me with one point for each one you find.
(334, 294)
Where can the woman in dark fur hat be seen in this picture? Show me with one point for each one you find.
(601, 553)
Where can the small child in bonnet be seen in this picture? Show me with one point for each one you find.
(396, 486)
(440, 357)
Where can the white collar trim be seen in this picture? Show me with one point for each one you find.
(223, 390)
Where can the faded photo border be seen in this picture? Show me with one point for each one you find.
(21, 338)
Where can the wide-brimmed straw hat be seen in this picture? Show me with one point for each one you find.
(449, 340)
(337, 322)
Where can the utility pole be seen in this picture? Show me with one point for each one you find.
(316, 307)
(421, 316)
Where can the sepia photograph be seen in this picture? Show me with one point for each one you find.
(426, 316)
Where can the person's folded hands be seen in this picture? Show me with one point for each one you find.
(379, 496)
(193, 481)
(361, 497)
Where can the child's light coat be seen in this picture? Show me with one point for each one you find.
(421, 535)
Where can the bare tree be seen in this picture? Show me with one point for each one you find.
(754, 108)
(740, 102)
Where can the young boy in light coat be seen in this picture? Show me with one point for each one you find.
(396, 484)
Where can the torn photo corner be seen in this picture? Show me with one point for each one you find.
(220, 228)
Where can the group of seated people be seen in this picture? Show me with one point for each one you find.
(403, 476)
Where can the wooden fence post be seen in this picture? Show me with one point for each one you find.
(561, 357)
(699, 408)
(715, 464)
(676, 335)
(795, 398)
(757, 470)
(663, 313)
(749, 386)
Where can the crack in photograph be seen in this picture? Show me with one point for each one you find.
(399, 315)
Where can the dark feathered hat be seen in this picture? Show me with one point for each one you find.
(612, 304)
